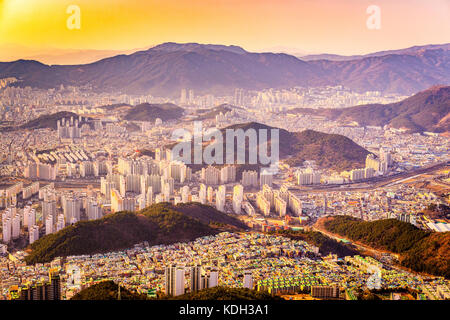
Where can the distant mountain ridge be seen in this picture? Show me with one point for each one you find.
(173, 46)
(167, 68)
(428, 110)
(337, 57)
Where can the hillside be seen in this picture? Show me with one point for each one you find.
(224, 293)
(325, 244)
(158, 224)
(150, 112)
(107, 290)
(116, 106)
(167, 68)
(208, 215)
(428, 110)
(331, 151)
(205, 114)
(44, 121)
(419, 250)
(328, 150)
(404, 73)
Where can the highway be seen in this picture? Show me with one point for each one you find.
(374, 183)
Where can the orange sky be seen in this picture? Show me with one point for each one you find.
(312, 26)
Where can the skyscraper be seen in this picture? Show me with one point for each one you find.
(72, 209)
(238, 197)
(49, 229)
(191, 96)
(174, 280)
(196, 278)
(248, 280)
(220, 198)
(213, 278)
(48, 208)
(202, 193)
(183, 99)
(33, 233)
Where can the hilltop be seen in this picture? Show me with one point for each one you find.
(225, 293)
(428, 110)
(150, 112)
(419, 250)
(107, 290)
(205, 114)
(325, 244)
(329, 151)
(332, 151)
(45, 121)
(158, 224)
(208, 215)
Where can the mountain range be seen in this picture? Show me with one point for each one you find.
(8, 52)
(337, 57)
(167, 68)
(428, 110)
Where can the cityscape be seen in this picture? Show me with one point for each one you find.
(147, 175)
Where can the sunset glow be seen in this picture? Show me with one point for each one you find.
(310, 26)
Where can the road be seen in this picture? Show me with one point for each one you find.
(362, 248)
(374, 183)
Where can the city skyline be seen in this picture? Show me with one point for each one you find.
(218, 150)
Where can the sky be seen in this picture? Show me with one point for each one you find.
(297, 26)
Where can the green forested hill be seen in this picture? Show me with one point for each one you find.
(225, 293)
(107, 290)
(419, 250)
(158, 224)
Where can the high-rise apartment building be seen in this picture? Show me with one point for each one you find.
(174, 280)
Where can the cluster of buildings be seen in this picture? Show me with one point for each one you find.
(374, 166)
(46, 288)
(252, 260)
(200, 278)
(278, 201)
(319, 97)
(13, 220)
(90, 167)
(69, 129)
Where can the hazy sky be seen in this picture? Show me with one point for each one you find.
(312, 26)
